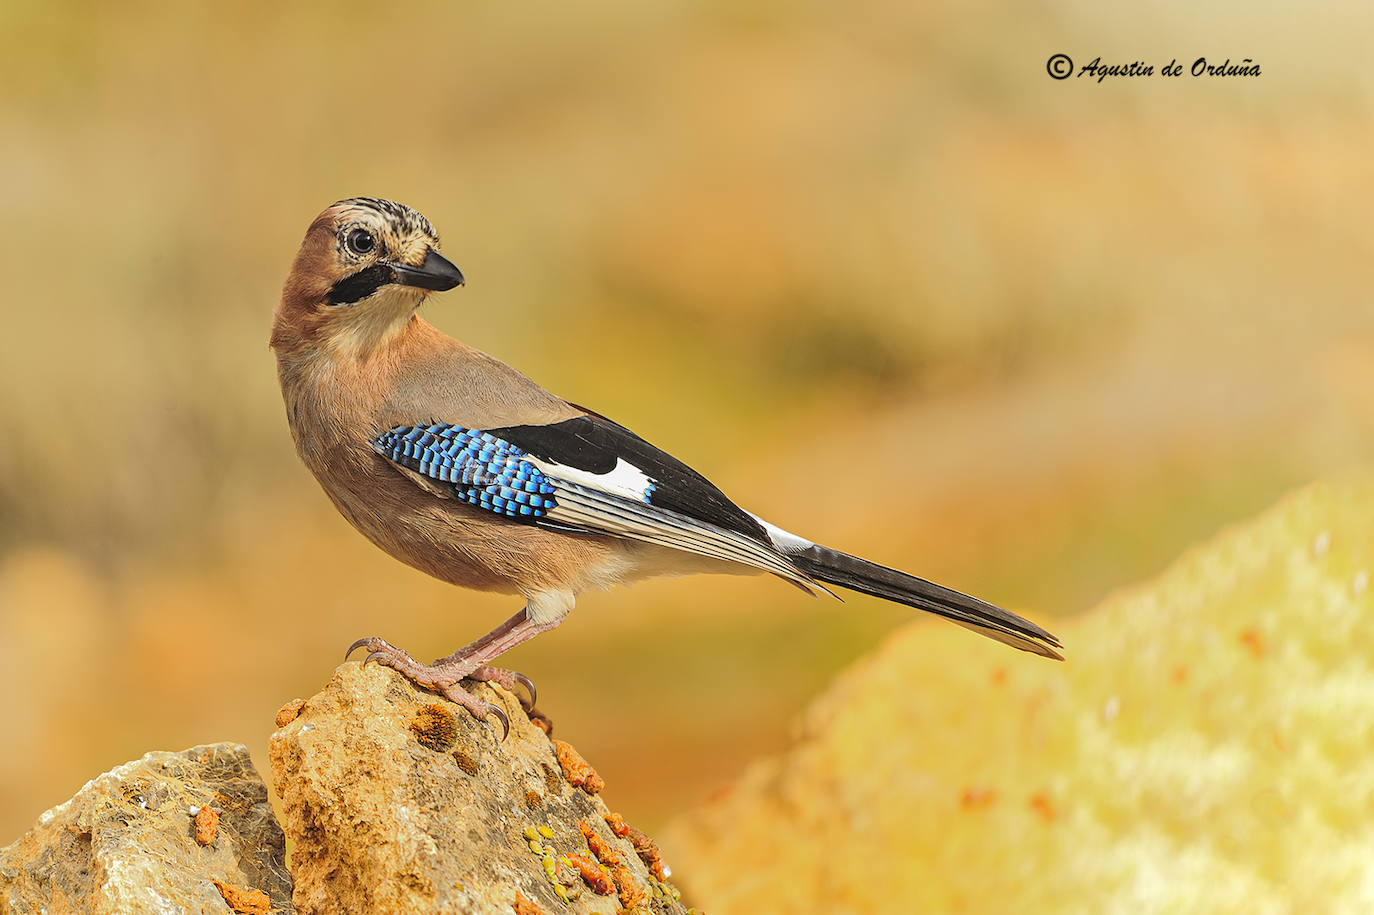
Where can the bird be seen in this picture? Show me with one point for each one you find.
(464, 468)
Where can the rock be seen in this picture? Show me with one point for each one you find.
(126, 842)
(1205, 748)
(399, 801)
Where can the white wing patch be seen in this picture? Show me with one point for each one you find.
(787, 542)
(625, 479)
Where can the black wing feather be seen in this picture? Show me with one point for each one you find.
(594, 443)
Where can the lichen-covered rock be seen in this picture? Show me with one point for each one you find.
(127, 841)
(398, 801)
(1205, 748)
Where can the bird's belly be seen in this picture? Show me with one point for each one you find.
(467, 546)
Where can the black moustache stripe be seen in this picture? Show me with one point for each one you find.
(360, 285)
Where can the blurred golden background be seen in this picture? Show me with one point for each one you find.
(1075, 326)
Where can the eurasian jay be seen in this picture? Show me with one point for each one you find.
(457, 464)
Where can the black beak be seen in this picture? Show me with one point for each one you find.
(437, 273)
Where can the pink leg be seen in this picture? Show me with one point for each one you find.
(468, 662)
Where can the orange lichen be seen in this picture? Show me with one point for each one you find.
(289, 712)
(244, 901)
(648, 852)
(1042, 804)
(617, 824)
(533, 800)
(541, 721)
(599, 846)
(1251, 639)
(977, 797)
(525, 906)
(577, 770)
(435, 728)
(592, 875)
(207, 821)
(465, 762)
(629, 890)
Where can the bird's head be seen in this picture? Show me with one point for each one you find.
(364, 268)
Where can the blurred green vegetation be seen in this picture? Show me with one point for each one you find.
(1076, 326)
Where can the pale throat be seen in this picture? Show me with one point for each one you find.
(360, 329)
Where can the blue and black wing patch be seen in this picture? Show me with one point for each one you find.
(481, 469)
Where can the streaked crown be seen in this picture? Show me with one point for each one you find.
(400, 218)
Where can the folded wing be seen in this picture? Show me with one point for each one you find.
(587, 475)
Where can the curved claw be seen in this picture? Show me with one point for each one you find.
(356, 645)
(492, 709)
(529, 685)
(375, 656)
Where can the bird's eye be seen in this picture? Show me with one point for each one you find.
(360, 241)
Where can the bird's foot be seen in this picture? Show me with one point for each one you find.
(509, 679)
(442, 678)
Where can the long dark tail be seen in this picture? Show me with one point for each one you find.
(836, 568)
